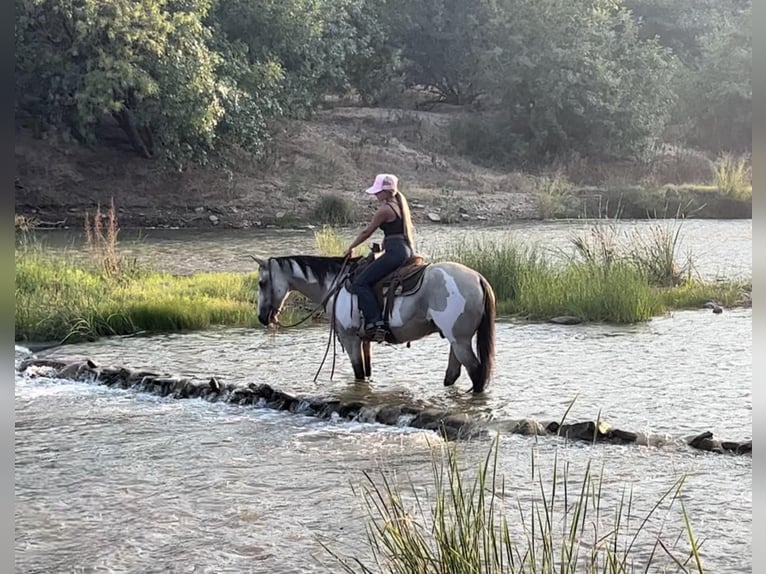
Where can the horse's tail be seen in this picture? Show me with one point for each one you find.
(485, 338)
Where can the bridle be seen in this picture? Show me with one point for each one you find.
(339, 278)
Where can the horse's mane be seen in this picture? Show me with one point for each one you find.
(321, 267)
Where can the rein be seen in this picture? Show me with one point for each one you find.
(333, 290)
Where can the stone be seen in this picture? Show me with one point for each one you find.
(214, 219)
(199, 209)
(587, 431)
(565, 320)
(706, 441)
(528, 427)
(621, 436)
(388, 415)
(350, 410)
(434, 217)
(429, 419)
(717, 310)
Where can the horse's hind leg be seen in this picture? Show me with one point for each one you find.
(453, 368)
(367, 358)
(464, 353)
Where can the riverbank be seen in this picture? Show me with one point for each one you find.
(67, 298)
(318, 168)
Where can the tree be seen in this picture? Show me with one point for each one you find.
(573, 75)
(147, 63)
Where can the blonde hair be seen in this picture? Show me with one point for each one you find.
(404, 207)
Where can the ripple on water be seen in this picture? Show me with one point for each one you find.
(114, 480)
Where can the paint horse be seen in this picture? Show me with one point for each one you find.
(452, 300)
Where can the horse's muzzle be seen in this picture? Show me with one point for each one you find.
(267, 318)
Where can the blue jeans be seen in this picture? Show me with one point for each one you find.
(397, 251)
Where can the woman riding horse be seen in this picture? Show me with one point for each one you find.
(393, 218)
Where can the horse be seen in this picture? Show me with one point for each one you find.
(453, 300)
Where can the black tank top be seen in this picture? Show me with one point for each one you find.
(395, 227)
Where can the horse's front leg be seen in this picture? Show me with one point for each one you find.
(353, 346)
(367, 358)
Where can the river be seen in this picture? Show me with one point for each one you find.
(118, 481)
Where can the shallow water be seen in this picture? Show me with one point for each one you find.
(124, 480)
(118, 481)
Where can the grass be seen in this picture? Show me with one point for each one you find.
(59, 299)
(603, 281)
(468, 524)
(553, 195)
(329, 243)
(732, 177)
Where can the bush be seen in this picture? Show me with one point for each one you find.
(333, 210)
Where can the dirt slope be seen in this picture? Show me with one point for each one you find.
(338, 152)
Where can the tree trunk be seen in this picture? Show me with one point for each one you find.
(125, 121)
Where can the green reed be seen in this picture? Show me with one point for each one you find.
(467, 522)
(603, 280)
(60, 299)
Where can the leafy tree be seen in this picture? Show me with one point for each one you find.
(442, 44)
(573, 75)
(147, 63)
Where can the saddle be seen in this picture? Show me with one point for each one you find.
(405, 280)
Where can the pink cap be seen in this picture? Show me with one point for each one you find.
(384, 181)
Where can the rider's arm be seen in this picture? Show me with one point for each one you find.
(381, 215)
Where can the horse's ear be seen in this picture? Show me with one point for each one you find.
(259, 261)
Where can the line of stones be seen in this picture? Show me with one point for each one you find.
(450, 425)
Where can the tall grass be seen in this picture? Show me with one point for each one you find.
(654, 251)
(732, 177)
(101, 238)
(553, 195)
(58, 299)
(532, 286)
(469, 525)
(329, 242)
(609, 279)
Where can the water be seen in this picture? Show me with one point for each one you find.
(719, 248)
(115, 481)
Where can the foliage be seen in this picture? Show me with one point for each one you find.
(542, 79)
(334, 210)
(713, 41)
(149, 64)
(467, 521)
(442, 45)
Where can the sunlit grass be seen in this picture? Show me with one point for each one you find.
(468, 521)
(603, 281)
(732, 177)
(58, 299)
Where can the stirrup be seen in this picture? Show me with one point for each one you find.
(376, 332)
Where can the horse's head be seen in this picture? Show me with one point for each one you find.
(273, 286)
